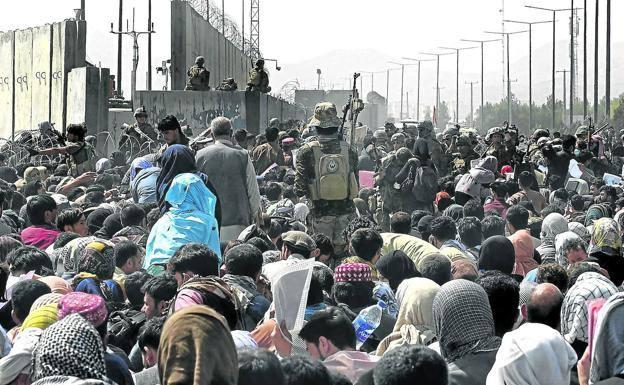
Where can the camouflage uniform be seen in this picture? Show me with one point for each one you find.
(81, 159)
(461, 164)
(436, 150)
(198, 77)
(258, 79)
(329, 217)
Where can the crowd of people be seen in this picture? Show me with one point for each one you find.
(242, 259)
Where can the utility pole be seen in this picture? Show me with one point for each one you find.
(482, 42)
(372, 78)
(564, 94)
(83, 15)
(318, 78)
(584, 59)
(608, 64)
(418, 88)
(388, 88)
(119, 71)
(507, 34)
(530, 24)
(554, 43)
(149, 45)
(135, 58)
(471, 103)
(596, 61)
(407, 104)
(457, 76)
(403, 65)
(225, 56)
(437, 55)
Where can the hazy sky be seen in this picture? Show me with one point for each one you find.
(296, 30)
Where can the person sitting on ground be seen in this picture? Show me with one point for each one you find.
(42, 212)
(128, 259)
(366, 245)
(243, 265)
(405, 364)
(132, 219)
(330, 337)
(148, 342)
(436, 267)
(504, 297)
(443, 232)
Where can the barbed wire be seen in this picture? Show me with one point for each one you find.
(214, 14)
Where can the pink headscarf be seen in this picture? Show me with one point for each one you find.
(523, 248)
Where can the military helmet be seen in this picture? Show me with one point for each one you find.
(140, 112)
(325, 116)
(463, 140)
(200, 60)
(582, 131)
(260, 63)
(398, 138)
(425, 128)
(494, 131)
(380, 134)
(274, 122)
(540, 133)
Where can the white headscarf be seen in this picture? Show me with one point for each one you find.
(533, 354)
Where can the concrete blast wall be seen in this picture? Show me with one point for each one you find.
(34, 64)
(192, 36)
(88, 98)
(249, 110)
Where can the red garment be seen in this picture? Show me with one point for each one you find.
(524, 250)
(498, 206)
(40, 236)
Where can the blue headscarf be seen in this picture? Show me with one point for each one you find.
(176, 160)
(138, 165)
(190, 219)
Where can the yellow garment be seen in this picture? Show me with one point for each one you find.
(415, 248)
(120, 277)
(42, 317)
(454, 254)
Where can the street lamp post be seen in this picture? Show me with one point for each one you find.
(418, 88)
(554, 43)
(437, 55)
(403, 65)
(530, 24)
(482, 42)
(471, 103)
(457, 77)
(565, 72)
(388, 88)
(507, 34)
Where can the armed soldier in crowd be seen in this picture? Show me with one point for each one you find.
(134, 137)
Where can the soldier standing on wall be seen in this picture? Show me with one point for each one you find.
(198, 76)
(259, 79)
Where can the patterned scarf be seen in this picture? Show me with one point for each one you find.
(463, 320)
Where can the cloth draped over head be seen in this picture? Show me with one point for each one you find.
(597, 211)
(561, 241)
(57, 284)
(196, 347)
(138, 165)
(497, 253)
(97, 258)
(580, 230)
(607, 358)
(553, 225)
(605, 237)
(396, 266)
(46, 299)
(70, 347)
(42, 317)
(533, 354)
(90, 306)
(463, 321)
(415, 297)
(176, 160)
(524, 250)
(589, 286)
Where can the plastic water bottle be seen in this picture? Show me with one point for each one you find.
(367, 321)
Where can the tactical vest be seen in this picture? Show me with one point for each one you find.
(83, 160)
(334, 179)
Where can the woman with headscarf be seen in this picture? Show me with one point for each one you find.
(553, 225)
(472, 185)
(524, 252)
(497, 253)
(533, 354)
(464, 326)
(95, 273)
(569, 249)
(190, 219)
(605, 248)
(414, 325)
(396, 267)
(196, 347)
(111, 225)
(69, 351)
(607, 355)
(143, 180)
(574, 310)
(580, 230)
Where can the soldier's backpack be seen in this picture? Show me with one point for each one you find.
(334, 179)
(425, 185)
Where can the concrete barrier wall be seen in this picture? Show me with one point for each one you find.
(40, 74)
(35, 63)
(192, 36)
(87, 98)
(246, 110)
(6, 84)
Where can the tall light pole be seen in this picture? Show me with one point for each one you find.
(437, 55)
(418, 88)
(457, 76)
(318, 78)
(596, 60)
(565, 72)
(530, 24)
(507, 34)
(554, 44)
(403, 65)
(471, 103)
(388, 88)
(372, 74)
(482, 42)
(608, 64)
(584, 59)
